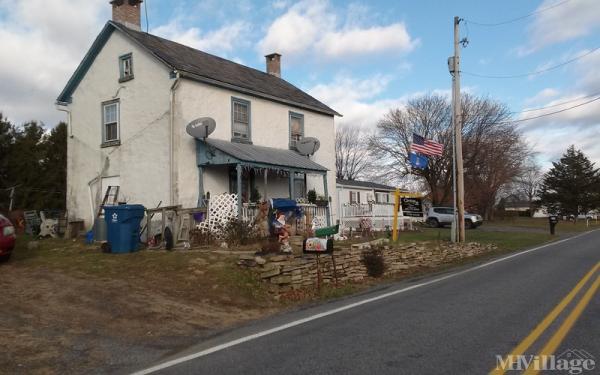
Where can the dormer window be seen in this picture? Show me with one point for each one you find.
(126, 67)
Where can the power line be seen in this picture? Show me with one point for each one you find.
(518, 18)
(557, 104)
(554, 67)
(549, 113)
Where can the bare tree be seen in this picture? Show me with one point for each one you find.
(493, 149)
(351, 152)
(429, 116)
(527, 184)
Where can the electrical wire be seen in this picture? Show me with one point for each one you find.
(541, 71)
(549, 113)
(518, 18)
(557, 104)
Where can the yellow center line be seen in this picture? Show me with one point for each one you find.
(548, 320)
(569, 322)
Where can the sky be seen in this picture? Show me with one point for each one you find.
(362, 58)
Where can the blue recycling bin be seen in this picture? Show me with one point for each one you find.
(123, 227)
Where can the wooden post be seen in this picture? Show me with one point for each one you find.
(334, 268)
(396, 208)
(238, 169)
(318, 274)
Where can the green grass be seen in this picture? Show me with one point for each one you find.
(542, 224)
(504, 240)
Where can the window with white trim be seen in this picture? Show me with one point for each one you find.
(296, 128)
(240, 115)
(110, 122)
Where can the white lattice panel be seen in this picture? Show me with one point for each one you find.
(221, 210)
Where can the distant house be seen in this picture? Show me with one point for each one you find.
(523, 208)
(128, 105)
(359, 200)
(351, 192)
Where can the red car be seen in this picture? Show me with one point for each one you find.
(7, 238)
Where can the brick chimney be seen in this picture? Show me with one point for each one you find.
(274, 64)
(127, 12)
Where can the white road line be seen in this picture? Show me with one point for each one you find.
(298, 322)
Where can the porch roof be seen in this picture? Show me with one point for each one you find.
(267, 157)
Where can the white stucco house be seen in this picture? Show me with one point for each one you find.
(128, 104)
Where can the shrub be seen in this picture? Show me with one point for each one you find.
(373, 261)
(312, 196)
(239, 232)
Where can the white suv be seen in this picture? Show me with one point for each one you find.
(437, 217)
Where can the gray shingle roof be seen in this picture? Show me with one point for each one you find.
(265, 155)
(208, 68)
(365, 184)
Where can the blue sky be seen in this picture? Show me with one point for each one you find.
(360, 57)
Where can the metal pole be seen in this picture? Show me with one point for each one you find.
(460, 183)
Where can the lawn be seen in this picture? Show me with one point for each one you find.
(541, 224)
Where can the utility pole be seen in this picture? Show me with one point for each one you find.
(459, 182)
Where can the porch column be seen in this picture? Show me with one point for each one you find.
(200, 186)
(326, 192)
(266, 189)
(238, 169)
(292, 174)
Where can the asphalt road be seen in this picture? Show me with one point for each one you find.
(451, 323)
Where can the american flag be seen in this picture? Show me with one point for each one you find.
(426, 147)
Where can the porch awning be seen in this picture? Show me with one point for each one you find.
(259, 156)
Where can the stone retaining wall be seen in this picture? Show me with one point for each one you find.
(287, 272)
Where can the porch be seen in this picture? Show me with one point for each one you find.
(256, 173)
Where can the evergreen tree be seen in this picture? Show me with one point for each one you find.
(571, 186)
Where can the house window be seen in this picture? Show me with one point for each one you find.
(126, 67)
(296, 128)
(355, 197)
(382, 198)
(110, 123)
(240, 114)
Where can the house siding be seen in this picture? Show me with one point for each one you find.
(142, 159)
(269, 127)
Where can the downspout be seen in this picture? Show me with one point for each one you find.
(172, 139)
(63, 108)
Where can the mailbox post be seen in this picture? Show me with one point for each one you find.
(553, 220)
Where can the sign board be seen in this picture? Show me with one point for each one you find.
(201, 127)
(412, 207)
(314, 245)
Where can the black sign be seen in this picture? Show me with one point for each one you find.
(412, 207)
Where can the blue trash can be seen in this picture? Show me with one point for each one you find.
(123, 227)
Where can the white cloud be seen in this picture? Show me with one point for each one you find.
(219, 41)
(42, 44)
(357, 99)
(565, 22)
(314, 27)
(542, 96)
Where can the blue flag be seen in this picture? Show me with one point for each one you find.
(418, 161)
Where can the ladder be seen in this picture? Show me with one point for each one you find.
(112, 192)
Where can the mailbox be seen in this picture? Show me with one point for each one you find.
(315, 245)
(553, 220)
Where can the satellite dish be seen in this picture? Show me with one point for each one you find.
(308, 145)
(201, 127)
